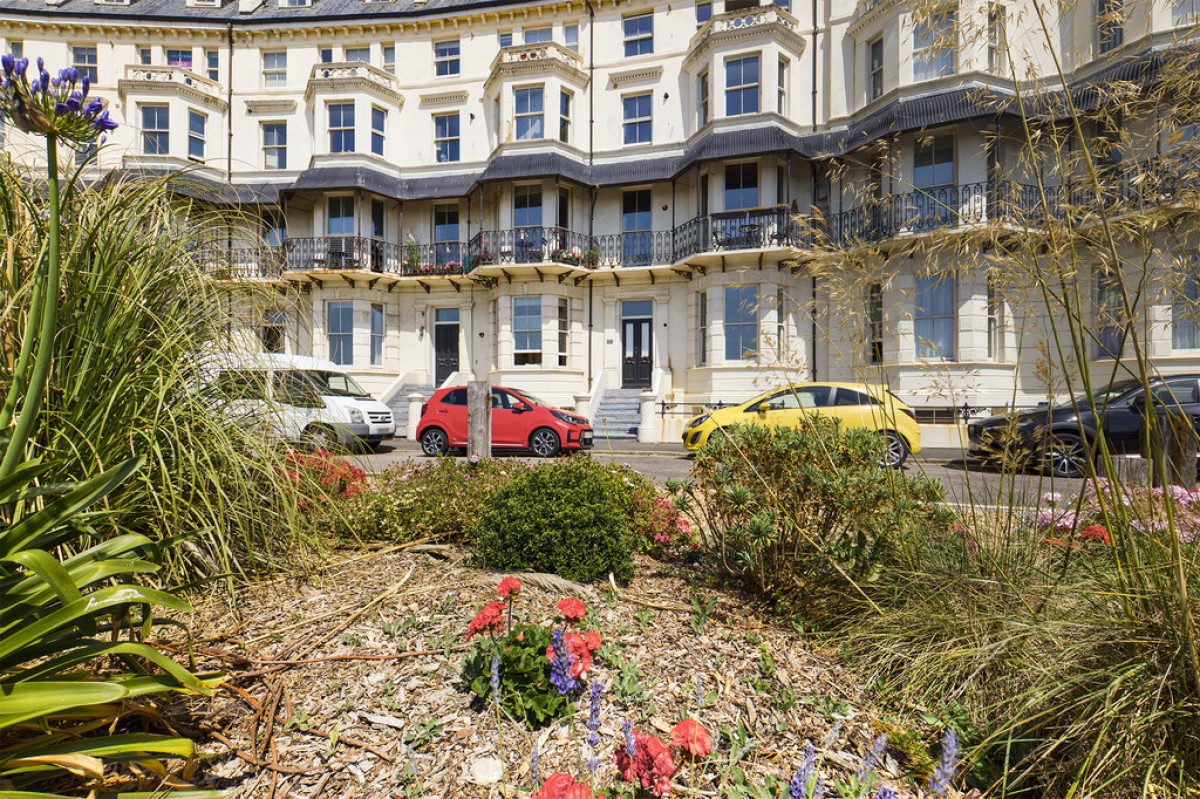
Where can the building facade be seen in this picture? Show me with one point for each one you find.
(681, 202)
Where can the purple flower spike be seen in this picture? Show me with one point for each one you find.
(885, 793)
(87, 84)
(560, 664)
(874, 756)
(9, 63)
(943, 773)
(798, 787)
(630, 744)
(41, 65)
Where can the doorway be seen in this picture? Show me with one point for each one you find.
(445, 343)
(637, 343)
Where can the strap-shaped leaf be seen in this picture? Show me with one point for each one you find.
(126, 746)
(50, 570)
(93, 649)
(44, 522)
(79, 765)
(18, 700)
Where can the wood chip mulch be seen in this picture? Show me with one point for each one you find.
(346, 684)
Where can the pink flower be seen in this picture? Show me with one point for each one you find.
(591, 640)
(555, 786)
(572, 609)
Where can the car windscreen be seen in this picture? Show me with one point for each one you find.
(334, 384)
(532, 400)
(1105, 397)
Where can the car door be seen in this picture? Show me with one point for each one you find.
(451, 415)
(790, 407)
(1124, 418)
(507, 422)
(856, 409)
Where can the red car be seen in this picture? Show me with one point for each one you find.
(519, 421)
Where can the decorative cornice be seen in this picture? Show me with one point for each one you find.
(531, 60)
(144, 80)
(279, 106)
(636, 75)
(872, 11)
(769, 22)
(444, 98)
(354, 77)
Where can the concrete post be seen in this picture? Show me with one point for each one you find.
(415, 401)
(479, 419)
(581, 405)
(648, 426)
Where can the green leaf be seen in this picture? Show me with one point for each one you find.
(18, 700)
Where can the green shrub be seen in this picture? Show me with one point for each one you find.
(438, 499)
(795, 510)
(570, 519)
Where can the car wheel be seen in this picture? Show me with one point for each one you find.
(1066, 456)
(897, 450)
(320, 437)
(434, 442)
(545, 442)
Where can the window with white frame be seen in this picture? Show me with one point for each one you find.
(528, 105)
(934, 46)
(389, 58)
(527, 331)
(637, 119)
(782, 82)
(84, 59)
(378, 130)
(359, 54)
(197, 125)
(1110, 24)
(741, 86)
(875, 323)
(446, 137)
(274, 137)
(339, 217)
(446, 245)
(326, 54)
(446, 57)
(741, 186)
(378, 331)
(1185, 302)
(179, 57)
(935, 203)
(156, 129)
(1185, 12)
(505, 39)
(639, 35)
(997, 38)
(703, 12)
(212, 64)
(565, 100)
(875, 68)
(16, 48)
(741, 323)
(339, 322)
(145, 56)
(272, 333)
(1110, 315)
(635, 228)
(702, 328)
(538, 35)
(702, 101)
(341, 127)
(564, 330)
(272, 228)
(934, 317)
(571, 37)
(780, 323)
(274, 69)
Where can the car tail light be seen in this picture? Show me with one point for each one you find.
(909, 413)
(424, 407)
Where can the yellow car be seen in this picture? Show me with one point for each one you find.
(856, 404)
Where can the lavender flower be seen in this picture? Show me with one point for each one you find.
(798, 787)
(630, 744)
(943, 772)
(496, 678)
(533, 764)
(593, 722)
(819, 788)
(560, 665)
(699, 691)
(592, 764)
(51, 106)
(874, 756)
(885, 792)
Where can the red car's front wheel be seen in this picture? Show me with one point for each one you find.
(545, 443)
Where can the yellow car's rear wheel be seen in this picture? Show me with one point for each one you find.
(897, 450)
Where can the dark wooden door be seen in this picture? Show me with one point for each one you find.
(445, 348)
(638, 361)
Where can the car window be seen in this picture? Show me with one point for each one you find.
(457, 396)
(294, 388)
(242, 384)
(502, 399)
(847, 396)
(1176, 392)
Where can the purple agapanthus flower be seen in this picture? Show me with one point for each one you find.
(56, 106)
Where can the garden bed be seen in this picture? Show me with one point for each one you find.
(360, 667)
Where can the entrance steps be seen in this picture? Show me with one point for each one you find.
(618, 415)
(399, 406)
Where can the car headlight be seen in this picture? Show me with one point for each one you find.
(699, 420)
(566, 417)
(356, 416)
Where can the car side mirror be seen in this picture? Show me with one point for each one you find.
(1138, 405)
(522, 407)
(763, 407)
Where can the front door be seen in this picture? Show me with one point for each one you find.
(636, 343)
(445, 343)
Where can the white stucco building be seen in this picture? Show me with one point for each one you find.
(598, 200)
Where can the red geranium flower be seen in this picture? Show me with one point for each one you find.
(572, 609)
(509, 588)
(691, 736)
(555, 786)
(651, 765)
(581, 656)
(592, 639)
(489, 619)
(1096, 532)
(579, 790)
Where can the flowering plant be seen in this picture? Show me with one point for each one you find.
(530, 671)
(1082, 519)
(334, 475)
(52, 106)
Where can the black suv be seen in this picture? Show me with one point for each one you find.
(1055, 435)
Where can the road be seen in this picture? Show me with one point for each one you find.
(964, 480)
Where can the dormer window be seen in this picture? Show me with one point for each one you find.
(295, 3)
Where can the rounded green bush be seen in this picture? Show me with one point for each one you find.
(569, 519)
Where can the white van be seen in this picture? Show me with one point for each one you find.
(301, 399)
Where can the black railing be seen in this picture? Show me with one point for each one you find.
(530, 245)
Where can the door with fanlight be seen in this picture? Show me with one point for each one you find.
(445, 343)
(637, 343)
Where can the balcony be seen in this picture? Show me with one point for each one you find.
(769, 23)
(536, 60)
(353, 77)
(530, 245)
(141, 81)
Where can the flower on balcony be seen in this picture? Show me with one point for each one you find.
(481, 259)
(573, 256)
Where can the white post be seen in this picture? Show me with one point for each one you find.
(415, 401)
(648, 427)
(581, 405)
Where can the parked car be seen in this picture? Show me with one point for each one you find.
(519, 421)
(1059, 437)
(856, 404)
(301, 400)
